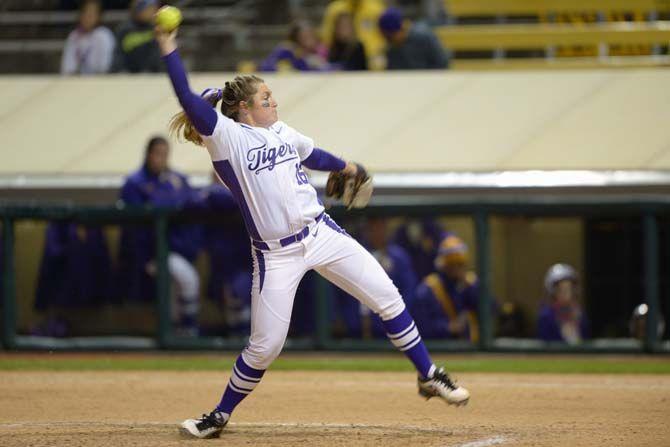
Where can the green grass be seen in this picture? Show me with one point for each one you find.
(498, 364)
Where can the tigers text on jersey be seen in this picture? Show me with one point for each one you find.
(262, 168)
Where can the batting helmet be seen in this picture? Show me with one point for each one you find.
(557, 273)
(452, 250)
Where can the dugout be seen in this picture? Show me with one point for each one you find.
(521, 157)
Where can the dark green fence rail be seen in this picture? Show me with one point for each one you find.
(648, 209)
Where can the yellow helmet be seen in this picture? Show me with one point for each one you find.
(452, 251)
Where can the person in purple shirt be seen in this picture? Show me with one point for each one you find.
(75, 272)
(302, 51)
(155, 184)
(420, 239)
(561, 318)
(357, 319)
(229, 251)
(445, 303)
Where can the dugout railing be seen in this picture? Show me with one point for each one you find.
(649, 209)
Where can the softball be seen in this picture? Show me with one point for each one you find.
(168, 18)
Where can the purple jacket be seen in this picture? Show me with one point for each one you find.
(422, 250)
(75, 270)
(227, 245)
(549, 328)
(138, 242)
(429, 312)
(285, 53)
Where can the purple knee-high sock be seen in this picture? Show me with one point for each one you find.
(243, 380)
(404, 335)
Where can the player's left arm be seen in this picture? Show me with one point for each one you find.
(322, 160)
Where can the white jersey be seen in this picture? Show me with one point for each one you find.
(262, 168)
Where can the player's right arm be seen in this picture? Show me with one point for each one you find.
(201, 113)
(316, 158)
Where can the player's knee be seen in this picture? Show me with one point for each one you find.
(261, 355)
(392, 308)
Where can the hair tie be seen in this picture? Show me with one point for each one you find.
(212, 93)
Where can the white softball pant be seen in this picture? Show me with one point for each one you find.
(335, 256)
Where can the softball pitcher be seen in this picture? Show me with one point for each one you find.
(260, 159)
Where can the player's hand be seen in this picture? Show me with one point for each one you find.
(352, 185)
(167, 42)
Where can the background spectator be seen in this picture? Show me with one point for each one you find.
(561, 317)
(75, 272)
(421, 239)
(638, 323)
(365, 14)
(357, 318)
(412, 46)
(346, 51)
(302, 51)
(136, 49)
(90, 46)
(445, 303)
(157, 185)
(229, 251)
(511, 320)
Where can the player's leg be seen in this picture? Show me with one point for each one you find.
(275, 280)
(347, 264)
(273, 293)
(187, 280)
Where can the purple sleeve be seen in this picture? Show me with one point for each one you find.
(131, 194)
(320, 160)
(200, 112)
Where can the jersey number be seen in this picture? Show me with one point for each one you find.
(300, 175)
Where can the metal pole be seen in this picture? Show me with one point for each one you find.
(651, 280)
(9, 290)
(484, 273)
(162, 281)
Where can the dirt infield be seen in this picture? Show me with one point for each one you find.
(334, 409)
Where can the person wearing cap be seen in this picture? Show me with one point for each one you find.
(445, 302)
(561, 318)
(411, 46)
(136, 49)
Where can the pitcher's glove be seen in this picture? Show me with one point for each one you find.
(354, 190)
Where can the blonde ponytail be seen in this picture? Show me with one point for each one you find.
(180, 125)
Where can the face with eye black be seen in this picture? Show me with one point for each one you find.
(261, 111)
